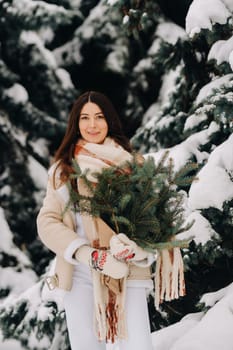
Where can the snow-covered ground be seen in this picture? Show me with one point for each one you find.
(199, 331)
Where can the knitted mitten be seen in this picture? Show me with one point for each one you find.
(102, 261)
(124, 249)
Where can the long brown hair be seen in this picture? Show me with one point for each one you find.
(65, 152)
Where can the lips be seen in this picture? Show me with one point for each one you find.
(93, 133)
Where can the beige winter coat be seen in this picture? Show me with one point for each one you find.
(57, 230)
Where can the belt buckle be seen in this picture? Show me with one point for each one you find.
(52, 281)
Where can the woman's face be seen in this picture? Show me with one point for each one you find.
(93, 126)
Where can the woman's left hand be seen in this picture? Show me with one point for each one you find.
(123, 248)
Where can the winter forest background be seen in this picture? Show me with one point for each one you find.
(168, 68)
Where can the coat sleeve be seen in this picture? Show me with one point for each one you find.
(56, 228)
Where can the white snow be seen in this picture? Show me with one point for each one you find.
(46, 34)
(22, 276)
(184, 151)
(201, 231)
(198, 331)
(214, 185)
(165, 31)
(16, 281)
(40, 146)
(38, 173)
(112, 2)
(228, 4)
(194, 120)
(9, 344)
(152, 113)
(70, 50)
(5, 190)
(75, 4)
(221, 50)
(155, 47)
(143, 64)
(87, 29)
(170, 32)
(168, 85)
(17, 93)
(10, 129)
(214, 330)
(231, 60)
(202, 14)
(125, 19)
(117, 58)
(167, 88)
(165, 338)
(31, 37)
(64, 78)
(165, 121)
(6, 243)
(217, 83)
(26, 7)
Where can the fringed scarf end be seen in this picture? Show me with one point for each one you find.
(169, 276)
(110, 323)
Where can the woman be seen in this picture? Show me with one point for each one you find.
(106, 276)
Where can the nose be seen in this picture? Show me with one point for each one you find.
(92, 122)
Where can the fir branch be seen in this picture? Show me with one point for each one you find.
(181, 177)
(140, 200)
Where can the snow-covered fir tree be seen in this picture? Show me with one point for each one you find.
(192, 119)
(172, 86)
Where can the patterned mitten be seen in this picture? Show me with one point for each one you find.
(124, 249)
(102, 261)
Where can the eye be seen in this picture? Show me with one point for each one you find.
(83, 117)
(101, 116)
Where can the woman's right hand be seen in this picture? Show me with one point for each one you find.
(102, 261)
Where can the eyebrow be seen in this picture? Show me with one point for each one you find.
(95, 113)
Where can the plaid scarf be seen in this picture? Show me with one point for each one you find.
(109, 293)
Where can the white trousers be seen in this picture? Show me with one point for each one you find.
(79, 308)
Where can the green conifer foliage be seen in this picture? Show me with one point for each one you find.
(141, 200)
(26, 54)
(41, 318)
(198, 111)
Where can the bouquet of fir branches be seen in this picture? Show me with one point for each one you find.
(140, 199)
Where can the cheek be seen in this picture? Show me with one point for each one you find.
(105, 130)
(81, 129)
(81, 125)
(105, 127)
